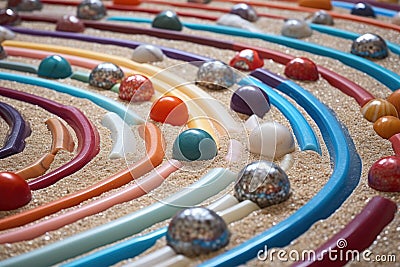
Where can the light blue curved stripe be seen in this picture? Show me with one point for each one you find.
(301, 128)
(207, 186)
(349, 35)
(387, 77)
(378, 10)
(129, 116)
(345, 177)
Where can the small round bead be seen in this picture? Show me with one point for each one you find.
(394, 98)
(271, 140)
(247, 60)
(321, 17)
(147, 53)
(54, 67)
(387, 126)
(70, 23)
(215, 75)
(8, 16)
(25, 5)
(384, 174)
(363, 9)
(105, 75)
(194, 144)
(296, 28)
(14, 191)
(91, 9)
(168, 20)
(370, 45)
(262, 182)
(197, 231)
(376, 108)
(171, 110)
(136, 88)
(245, 11)
(302, 69)
(3, 53)
(249, 100)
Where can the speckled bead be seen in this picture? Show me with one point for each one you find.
(245, 11)
(370, 45)
(194, 144)
(387, 126)
(262, 182)
(376, 108)
(197, 231)
(91, 9)
(249, 100)
(296, 28)
(168, 20)
(54, 67)
(25, 5)
(215, 75)
(363, 9)
(105, 75)
(321, 17)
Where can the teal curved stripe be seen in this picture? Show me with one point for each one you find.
(386, 77)
(129, 116)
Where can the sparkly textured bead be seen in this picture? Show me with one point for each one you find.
(363, 9)
(197, 231)
(249, 100)
(271, 140)
(376, 108)
(194, 144)
(215, 75)
(247, 60)
(105, 75)
(9, 16)
(370, 45)
(168, 20)
(171, 110)
(3, 53)
(147, 53)
(70, 23)
(302, 69)
(321, 17)
(262, 182)
(384, 174)
(321, 4)
(91, 9)
(136, 88)
(245, 11)
(54, 67)
(296, 28)
(25, 5)
(387, 126)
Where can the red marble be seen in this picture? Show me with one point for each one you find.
(384, 174)
(14, 191)
(247, 60)
(69, 23)
(302, 69)
(9, 17)
(136, 88)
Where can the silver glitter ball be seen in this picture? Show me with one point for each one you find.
(262, 182)
(215, 75)
(91, 9)
(245, 11)
(370, 45)
(296, 28)
(197, 231)
(321, 17)
(105, 75)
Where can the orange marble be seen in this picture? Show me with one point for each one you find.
(376, 108)
(394, 98)
(387, 126)
(320, 4)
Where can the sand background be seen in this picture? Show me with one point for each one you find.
(308, 174)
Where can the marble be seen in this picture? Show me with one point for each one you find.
(167, 20)
(249, 100)
(105, 75)
(302, 69)
(296, 28)
(9, 16)
(215, 75)
(171, 110)
(245, 11)
(376, 108)
(370, 45)
(91, 10)
(387, 126)
(247, 60)
(321, 17)
(69, 23)
(25, 5)
(136, 88)
(147, 53)
(363, 9)
(384, 175)
(54, 67)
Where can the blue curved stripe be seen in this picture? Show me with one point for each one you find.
(387, 77)
(129, 116)
(378, 10)
(345, 177)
